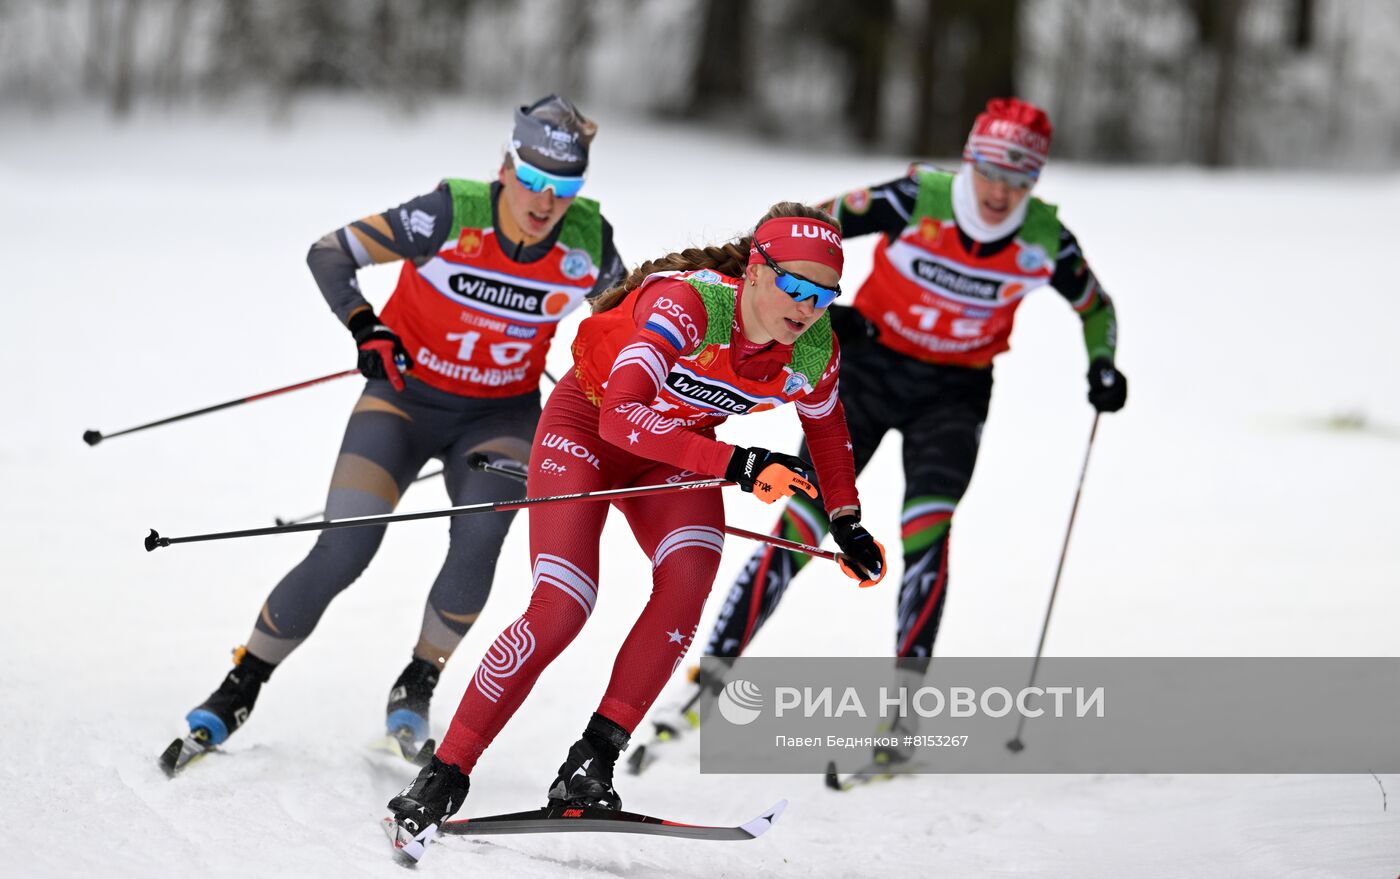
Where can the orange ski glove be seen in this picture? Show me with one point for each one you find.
(769, 476)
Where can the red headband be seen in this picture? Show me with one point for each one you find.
(785, 239)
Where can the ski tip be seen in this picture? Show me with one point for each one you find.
(636, 762)
(425, 753)
(763, 823)
(418, 755)
(182, 752)
(170, 758)
(833, 780)
(408, 849)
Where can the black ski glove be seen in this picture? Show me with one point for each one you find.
(1108, 388)
(863, 557)
(382, 354)
(769, 476)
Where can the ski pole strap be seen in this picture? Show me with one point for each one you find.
(93, 437)
(154, 539)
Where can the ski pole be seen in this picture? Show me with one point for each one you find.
(1016, 745)
(480, 462)
(154, 539)
(784, 543)
(476, 461)
(309, 516)
(93, 437)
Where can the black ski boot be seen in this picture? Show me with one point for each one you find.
(228, 707)
(419, 809)
(406, 715)
(585, 779)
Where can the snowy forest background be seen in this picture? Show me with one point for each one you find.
(165, 164)
(1272, 83)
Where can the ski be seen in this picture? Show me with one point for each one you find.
(872, 772)
(401, 744)
(408, 849)
(564, 819)
(182, 752)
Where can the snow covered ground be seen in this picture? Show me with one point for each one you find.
(159, 267)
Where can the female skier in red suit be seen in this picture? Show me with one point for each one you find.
(683, 343)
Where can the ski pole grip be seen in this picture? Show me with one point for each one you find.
(154, 540)
(92, 437)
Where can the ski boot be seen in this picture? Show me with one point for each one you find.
(228, 707)
(219, 716)
(419, 809)
(585, 778)
(406, 715)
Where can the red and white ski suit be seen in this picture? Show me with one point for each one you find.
(634, 438)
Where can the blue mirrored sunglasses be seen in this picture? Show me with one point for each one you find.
(798, 287)
(997, 174)
(537, 180)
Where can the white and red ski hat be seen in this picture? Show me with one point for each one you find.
(1012, 134)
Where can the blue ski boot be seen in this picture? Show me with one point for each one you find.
(406, 715)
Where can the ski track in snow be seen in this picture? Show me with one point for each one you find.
(158, 267)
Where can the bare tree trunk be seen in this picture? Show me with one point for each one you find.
(966, 54)
(991, 70)
(1069, 68)
(867, 49)
(172, 65)
(925, 79)
(385, 41)
(1304, 23)
(124, 64)
(95, 61)
(1113, 125)
(423, 45)
(1225, 15)
(721, 75)
(575, 41)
